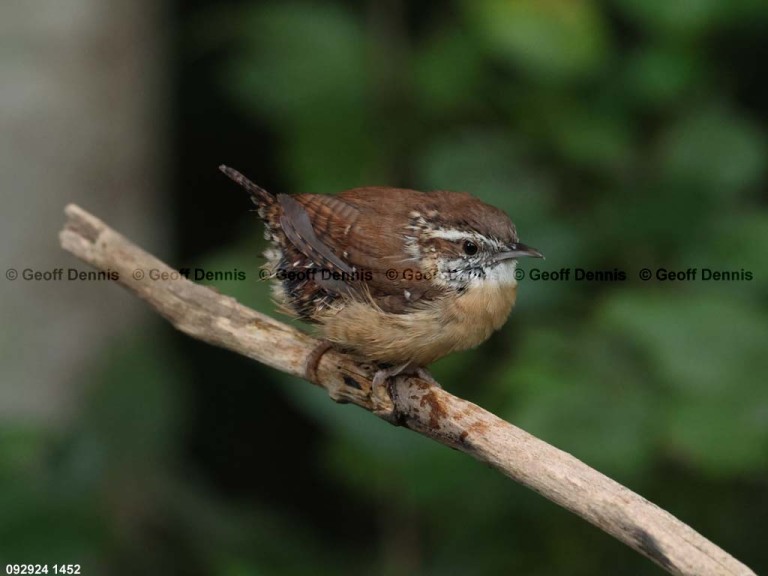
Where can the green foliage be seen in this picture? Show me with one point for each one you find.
(291, 71)
(714, 151)
(709, 353)
(64, 500)
(549, 40)
(592, 400)
(683, 20)
(607, 151)
(607, 154)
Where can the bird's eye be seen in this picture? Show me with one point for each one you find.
(470, 248)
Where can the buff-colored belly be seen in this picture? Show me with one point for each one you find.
(422, 336)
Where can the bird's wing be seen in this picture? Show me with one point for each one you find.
(360, 233)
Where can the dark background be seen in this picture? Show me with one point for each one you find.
(618, 135)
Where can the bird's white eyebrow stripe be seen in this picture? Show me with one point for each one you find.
(453, 234)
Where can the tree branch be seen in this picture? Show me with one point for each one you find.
(207, 315)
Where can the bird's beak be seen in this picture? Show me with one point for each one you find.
(517, 250)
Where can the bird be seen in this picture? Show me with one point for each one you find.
(395, 277)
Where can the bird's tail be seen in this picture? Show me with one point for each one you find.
(260, 197)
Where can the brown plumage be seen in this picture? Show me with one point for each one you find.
(391, 275)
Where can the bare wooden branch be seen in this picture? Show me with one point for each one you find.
(220, 320)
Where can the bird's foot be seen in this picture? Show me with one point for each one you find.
(383, 384)
(384, 375)
(313, 360)
(383, 392)
(425, 375)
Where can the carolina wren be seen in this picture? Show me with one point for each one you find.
(393, 276)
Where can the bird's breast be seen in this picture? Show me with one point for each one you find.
(422, 335)
(482, 309)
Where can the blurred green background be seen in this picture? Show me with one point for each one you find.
(621, 134)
